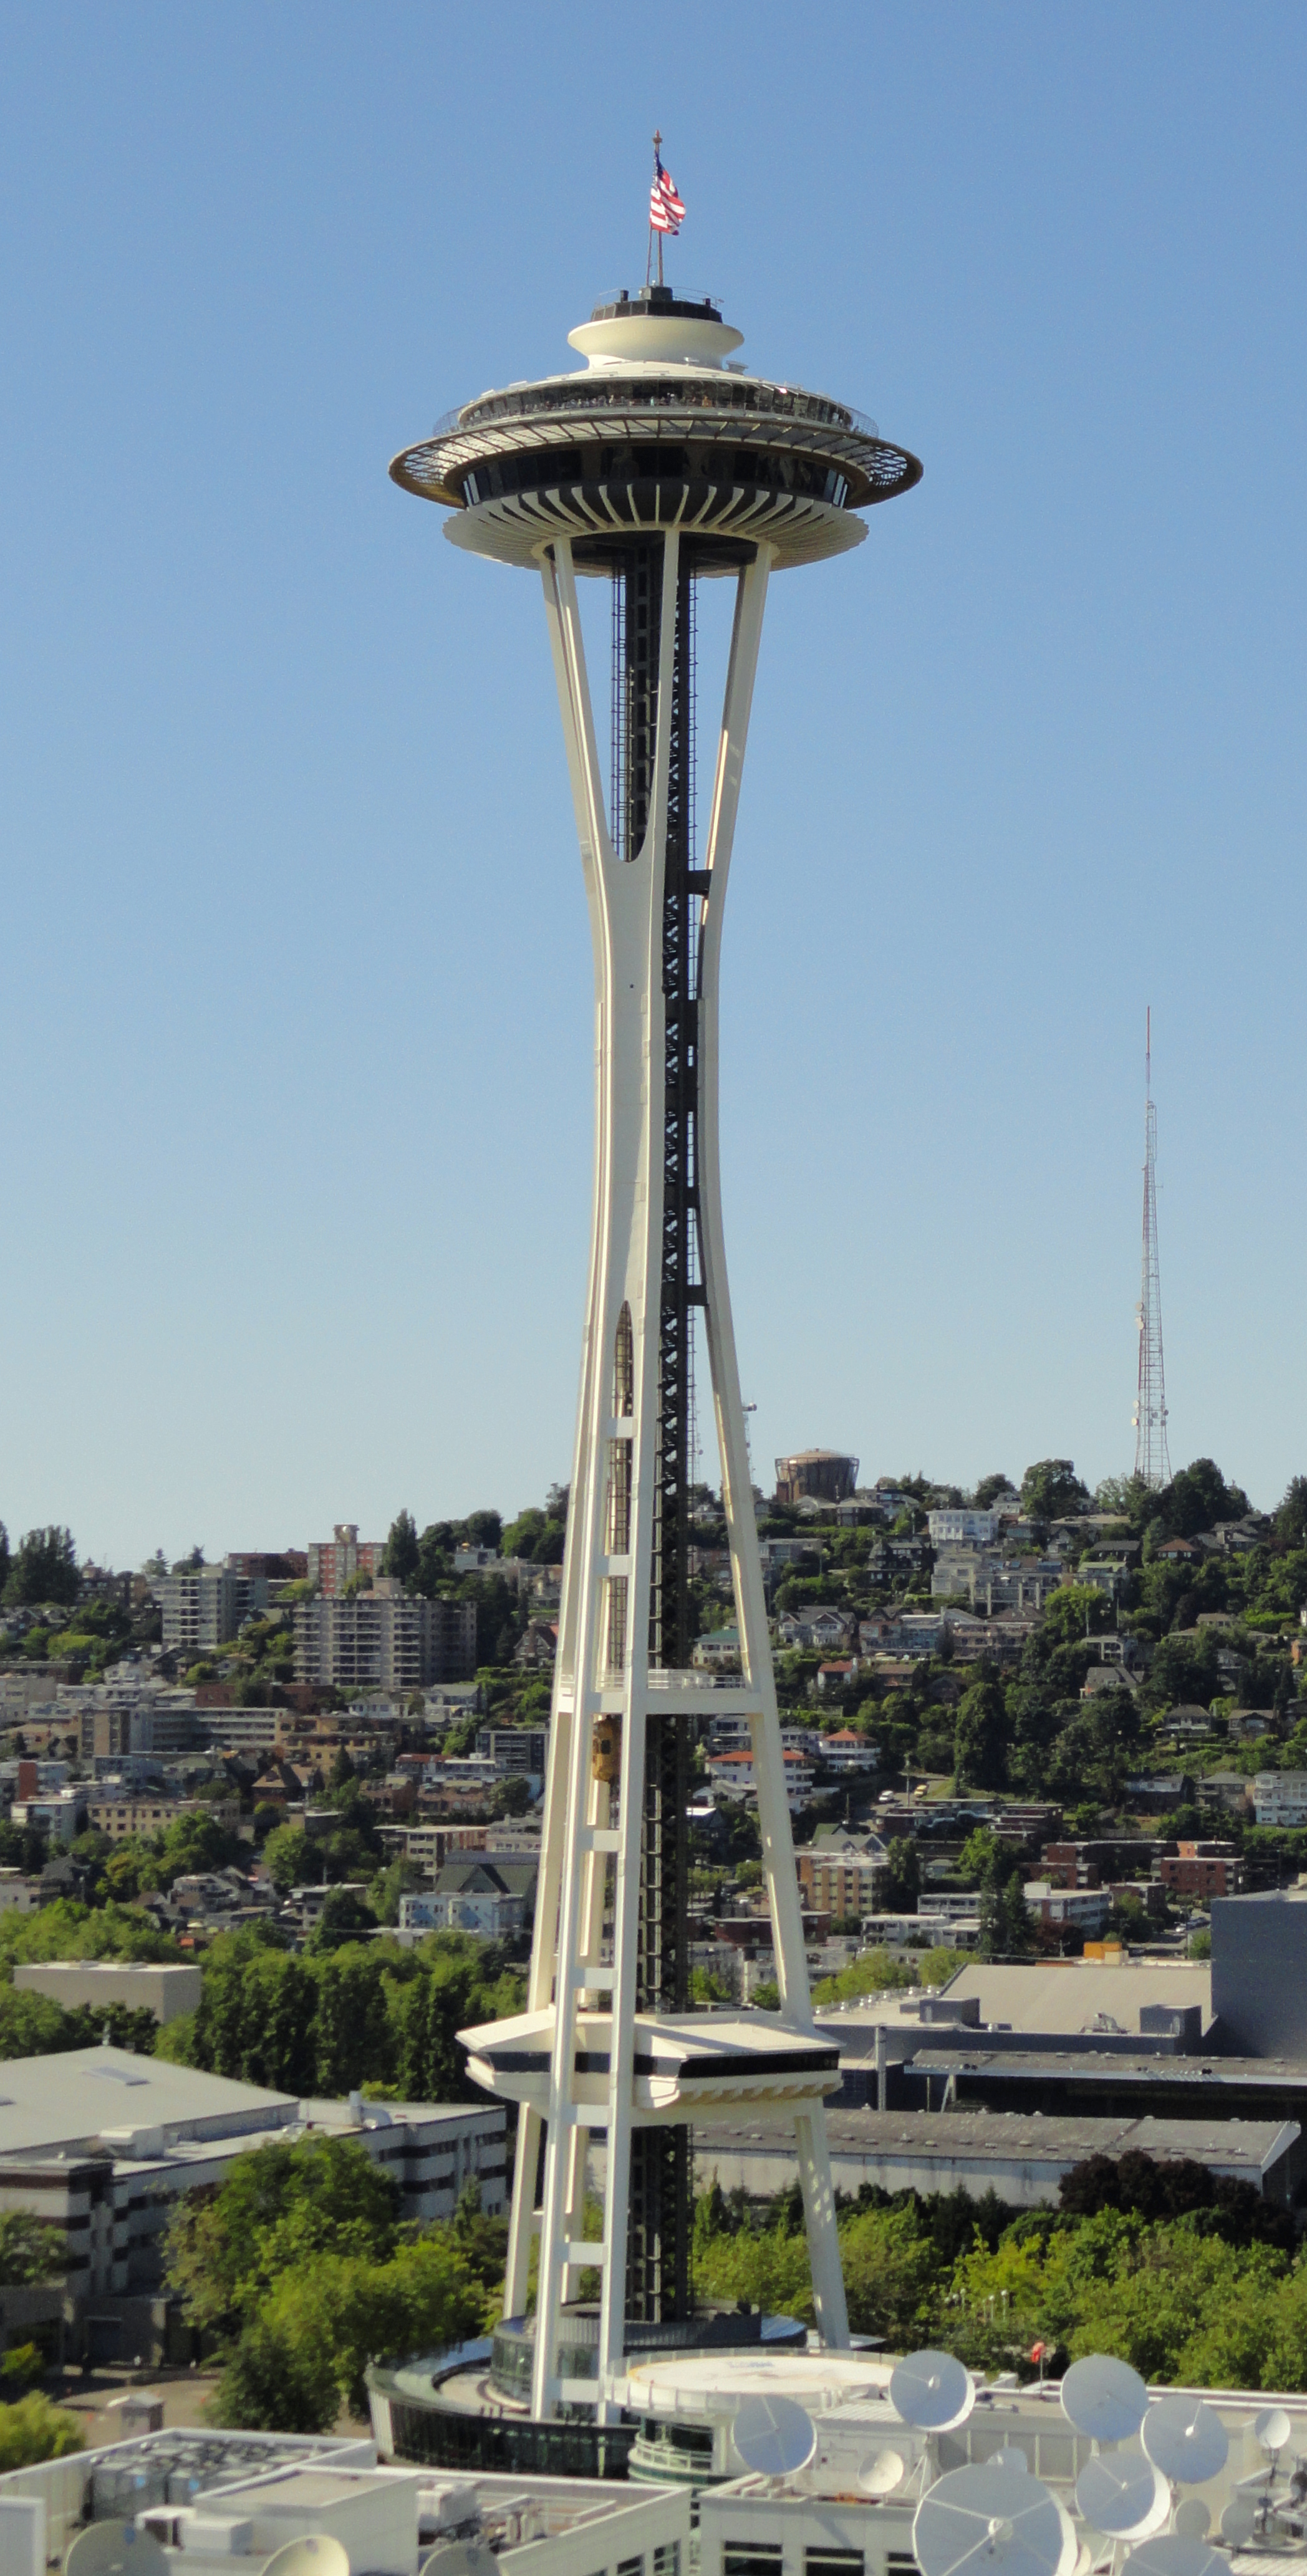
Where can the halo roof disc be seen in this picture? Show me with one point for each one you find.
(1185, 2440)
(773, 2436)
(1272, 2428)
(988, 2521)
(1122, 2494)
(933, 2391)
(1167, 2554)
(881, 2473)
(115, 2549)
(1104, 2398)
(1239, 2521)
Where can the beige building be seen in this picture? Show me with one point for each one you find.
(384, 1639)
(142, 1985)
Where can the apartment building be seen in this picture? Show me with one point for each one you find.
(383, 1639)
(334, 1562)
(948, 1527)
(205, 1608)
(843, 1880)
(1203, 1870)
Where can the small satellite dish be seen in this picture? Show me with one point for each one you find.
(469, 2557)
(1185, 2440)
(1239, 2521)
(1272, 2428)
(1169, 2554)
(1192, 2519)
(987, 2521)
(932, 2391)
(1122, 2494)
(1011, 2457)
(316, 2554)
(115, 2549)
(882, 2473)
(772, 2435)
(1104, 2398)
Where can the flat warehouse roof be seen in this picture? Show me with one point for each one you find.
(1063, 1997)
(67, 2100)
(988, 2137)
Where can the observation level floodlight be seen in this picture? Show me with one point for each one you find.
(114, 2549)
(1238, 2521)
(1104, 2398)
(933, 2391)
(1122, 2494)
(315, 2553)
(1185, 2440)
(1272, 2429)
(989, 2521)
(773, 2436)
(1168, 2553)
(882, 2473)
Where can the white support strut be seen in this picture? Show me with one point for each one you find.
(586, 1868)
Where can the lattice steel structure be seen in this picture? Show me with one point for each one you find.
(1152, 1459)
(656, 467)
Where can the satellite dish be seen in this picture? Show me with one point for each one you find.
(115, 2549)
(773, 2436)
(1011, 2457)
(460, 2558)
(1272, 2428)
(987, 2521)
(316, 2554)
(1169, 2554)
(932, 2391)
(1104, 2398)
(1185, 2440)
(1192, 2519)
(880, 2475)
(1239, 2521)
(1122, 2494)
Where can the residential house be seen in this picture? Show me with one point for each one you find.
(846, 1750)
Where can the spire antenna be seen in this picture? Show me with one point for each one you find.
(1152, 1457)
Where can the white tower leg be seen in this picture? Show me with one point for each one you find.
(603, 1661)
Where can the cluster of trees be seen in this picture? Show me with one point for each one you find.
(339, 2020)
(1188, 2277)
(300, 2269)
(42, 1568)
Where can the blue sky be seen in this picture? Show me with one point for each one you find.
(294, 976)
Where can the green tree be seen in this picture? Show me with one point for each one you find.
(1198, 1498)
(280, 2208)
(44, 1569)
(989, 1489)
(401, 1553)
(33, 2430)
(1077, 1610)
(980, 1738)
(30, 2250)
(902, 1876)
(292, 1859)
(1291, 1518)
(1052, 1491)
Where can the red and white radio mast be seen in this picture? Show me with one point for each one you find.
(1152, 1460)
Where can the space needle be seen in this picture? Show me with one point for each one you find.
(659, 464)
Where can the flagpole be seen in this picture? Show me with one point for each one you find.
(657, 147)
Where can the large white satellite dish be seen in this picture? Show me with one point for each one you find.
(470, 2557)
(1185, 2440)
(773, 2436)
(987, 2521)
(1104, 2398)
(115, 2549)
(1192, 2519)
(1122, 2494)
(882, 2473)
(932, 2391)
(317, 2553)
(1272, 2428)
(1239, 2521)
(1168, 2554)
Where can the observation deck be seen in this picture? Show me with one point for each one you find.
(660, 429)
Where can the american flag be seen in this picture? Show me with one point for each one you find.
(666, 209)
